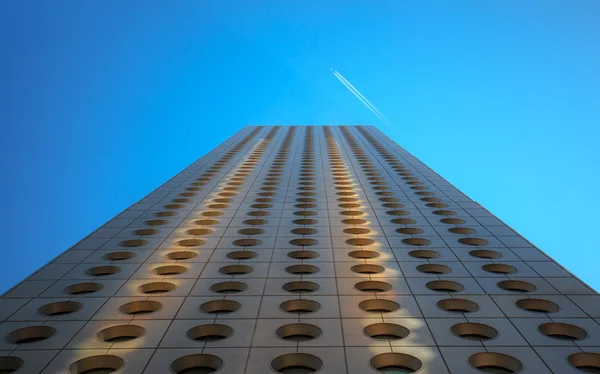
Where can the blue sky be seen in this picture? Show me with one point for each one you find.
(103, 101)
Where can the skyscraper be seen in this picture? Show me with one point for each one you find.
(297, 250)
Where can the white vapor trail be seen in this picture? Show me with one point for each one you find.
(363, 99)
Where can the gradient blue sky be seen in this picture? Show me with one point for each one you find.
(103, 101)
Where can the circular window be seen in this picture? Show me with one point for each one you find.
(562, 331)
(585, 361)
(434, 269)
(444, 212)
(349, 205)
(263, 200)
(156, 287)
(197, 363)
(169, 270)
(386, 331)
(300, 286)
(83, 288)
(133, 243)
(301, 363)
(97, 364)
(247, 242)
(474, 331)
(396, 363)
(305, 205)
(10, 364)
(181, 255)
(305, 221)
(499, 268)
(458, 305)
(199, 231)
(255, 222)
(445, 286)
(209, 333)
(224, 199)
(206, 222)
(357, 231)
(473, 241)
(453, 221)
(304, 242)
(538, 305)
(437, 205)
(304, 231)
(156, 222)
(352, 213)
(217, 206)
(220, 306)
(398, 212)
(300, 306)
(236, 269)
(378, 306)
(229, 287)
(363, 254)
(60, 308)
(461, 230)
(31, 334)
(416, 241)
(216, 213)
(403, 221)
(409, 230)
(354, 221)
(298, 332)
(251, 231)
(145, 232)
(516, 286)
(393, 205)
(302, 269)
(483, 253)
(305, 213)
(367, 269)
(100, 271)
(360, 241)
(490, 362)
(122, 333)
(242, 255)
(422, 253)
(140, 307)
(306, 200)
(303, 255)
(190, 242)
(373, 286)
(118, 256)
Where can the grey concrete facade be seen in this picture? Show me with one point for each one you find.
(323, 249)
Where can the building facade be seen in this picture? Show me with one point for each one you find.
(293, 250)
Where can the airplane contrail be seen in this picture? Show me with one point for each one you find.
(356, 92)
(363, 99)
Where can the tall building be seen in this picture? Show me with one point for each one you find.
(293, 250)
